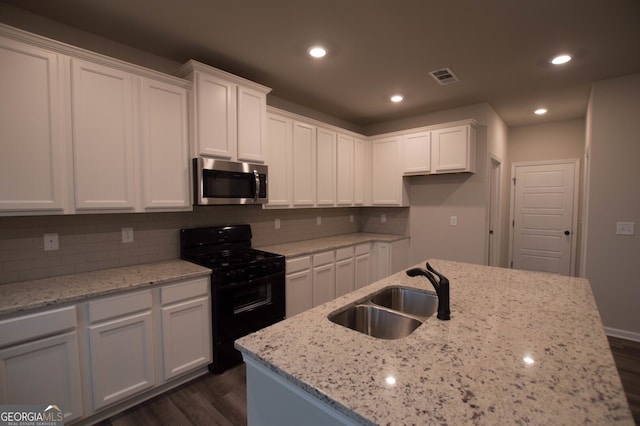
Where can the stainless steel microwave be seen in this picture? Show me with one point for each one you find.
(218, 182)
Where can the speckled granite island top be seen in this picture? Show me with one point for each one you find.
(301, 248)
(21, 296)
(469, 370)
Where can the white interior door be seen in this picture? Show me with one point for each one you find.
(544, 216)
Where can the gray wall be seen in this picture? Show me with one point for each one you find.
(613, 261)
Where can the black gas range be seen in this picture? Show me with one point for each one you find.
(247, 285)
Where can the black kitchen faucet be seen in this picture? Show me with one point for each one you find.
(441, 286)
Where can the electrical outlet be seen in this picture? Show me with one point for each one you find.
(277, 223)
(350, 218)
(453, 221)
(383, 218)
(51, 242)
(318, 220)
(127, 235)
(625, 228)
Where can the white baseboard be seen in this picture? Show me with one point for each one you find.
(622, 334)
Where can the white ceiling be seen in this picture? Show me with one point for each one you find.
(498, 48)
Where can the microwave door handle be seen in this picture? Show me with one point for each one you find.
(256, 175)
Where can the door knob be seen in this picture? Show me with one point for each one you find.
(567, 232)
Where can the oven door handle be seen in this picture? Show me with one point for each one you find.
(256, 176)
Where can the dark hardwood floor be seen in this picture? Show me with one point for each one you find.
(221, 399)
(627, 356)
(210, 400)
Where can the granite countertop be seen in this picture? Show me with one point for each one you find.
(306, 247)
(26, 295)
(469, 370)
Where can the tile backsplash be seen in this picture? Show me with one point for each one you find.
(94, 242)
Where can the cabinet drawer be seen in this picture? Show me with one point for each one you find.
(298, 264)
(118, 306)
(363, 249)
(185, 290)
(344, 253)
(323, 258)
(30, 327)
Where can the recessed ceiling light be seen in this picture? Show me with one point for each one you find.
(540, 111)
(317, 51)
(561, 59)
(397, 98)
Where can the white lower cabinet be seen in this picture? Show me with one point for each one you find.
(186, 327)
(391, 257)
(299, 285)
(345, 271)
(121, 347)
(324, 278)
(362, 265)
(39, 361)
(94, 358)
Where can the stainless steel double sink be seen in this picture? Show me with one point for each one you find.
(391, 313)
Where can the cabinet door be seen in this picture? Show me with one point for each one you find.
(416, 153)
(103, 137)
(164, 146)
(345, 169)
(32, 161)
(252, 107)
(45, 371)
(215, 116)
(299, 292)
(382, 262)
(362, 270)
(386, 179)
(186, 336)
(359, 172)
(279, 133)
(324, 283)
(325, 167)
(304, 164)
(451, 149)
(345, 276)
(122, 362)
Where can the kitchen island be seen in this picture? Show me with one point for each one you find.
(520, 348)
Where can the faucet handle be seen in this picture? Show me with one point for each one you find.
(443, 279)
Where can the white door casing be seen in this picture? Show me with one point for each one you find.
(495, 201)
(544, 216)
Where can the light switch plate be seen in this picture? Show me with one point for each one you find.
(277, 223)
(318, 220)
(453, 221)
(625, 228)
(383, 218)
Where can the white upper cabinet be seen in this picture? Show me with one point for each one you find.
(32, 163)
(304, 164)
(416, 153)
(164, 146)
(103, 136)
(228, 114)
(279, 154)
(441, 150)
(387, 185)
(88, 134)
(361, 166)
(325, 167)
(453, 149)
(345, 169)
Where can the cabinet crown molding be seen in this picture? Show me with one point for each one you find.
(194, 65)
(87, 55)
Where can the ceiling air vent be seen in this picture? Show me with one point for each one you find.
(444, 76)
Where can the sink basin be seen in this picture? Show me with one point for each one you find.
(407, 300)
(375, 321)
